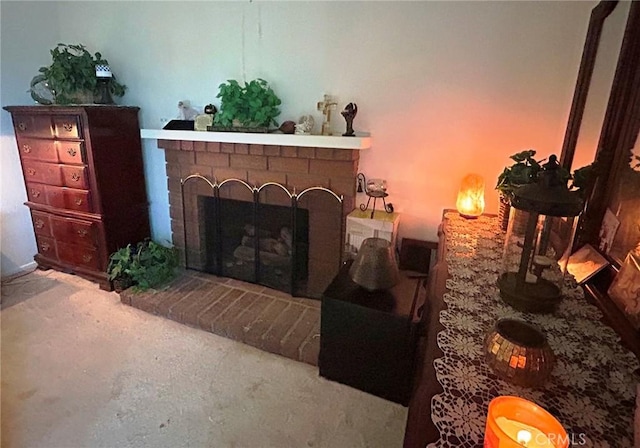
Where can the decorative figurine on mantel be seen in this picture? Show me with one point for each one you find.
(305, 125)
(349, 113)
(185, 111)
(326, 106)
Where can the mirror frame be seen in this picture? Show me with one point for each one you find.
(599, 15)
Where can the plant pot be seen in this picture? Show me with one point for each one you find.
(120, 284)
(503, 213)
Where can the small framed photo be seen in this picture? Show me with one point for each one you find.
(608, 229)
(625, 289)
(585, 263)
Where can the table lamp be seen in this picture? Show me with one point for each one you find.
(513, 422)
(470, 202)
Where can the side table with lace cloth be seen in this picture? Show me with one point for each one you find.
(592, 388)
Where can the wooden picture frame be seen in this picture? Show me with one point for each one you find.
(625, 289)
(585, 263)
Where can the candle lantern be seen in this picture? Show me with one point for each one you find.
(470, 202)
(538, 242)
(513, 422)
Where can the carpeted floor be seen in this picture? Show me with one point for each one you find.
(80, 369)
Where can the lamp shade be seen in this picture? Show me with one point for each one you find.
(375, 265)
(470, 202)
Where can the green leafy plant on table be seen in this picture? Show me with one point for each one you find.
(143, 266)
(72, 74)
(254, 104)
(524, 171)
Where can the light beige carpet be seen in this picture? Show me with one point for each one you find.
(80, 369)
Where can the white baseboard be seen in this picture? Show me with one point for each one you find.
(22, 270)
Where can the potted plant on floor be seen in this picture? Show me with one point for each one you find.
(251, 107)
(72, 75)
(143, 266)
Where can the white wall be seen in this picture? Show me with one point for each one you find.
(23, 49)
(445, 88)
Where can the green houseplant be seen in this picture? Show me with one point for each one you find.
(252, 105)
(143, 266)
(524, 171)
(72, 74)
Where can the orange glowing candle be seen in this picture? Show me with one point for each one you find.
(470, 203)
(514, 422)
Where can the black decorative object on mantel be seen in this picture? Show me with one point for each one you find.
(349, 113)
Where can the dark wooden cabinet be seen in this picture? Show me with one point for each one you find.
(83, 172)
(368, 339)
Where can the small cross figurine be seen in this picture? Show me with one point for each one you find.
(326, 106)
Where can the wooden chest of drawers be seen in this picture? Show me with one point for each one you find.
(84, 177)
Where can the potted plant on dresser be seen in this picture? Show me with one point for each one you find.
(71, 77)
(524, 171)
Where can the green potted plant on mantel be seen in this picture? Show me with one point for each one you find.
(142, 266)
(72, 75)
(249, 107)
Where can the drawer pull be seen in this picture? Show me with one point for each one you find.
(31, 171)
(26, 149)
(45, 247)
(78, 201)
(75, 177)
(35, 193)
(86, 258)
(82, 233)
(39, 223)
(72, 152)
(67, 127)
(22, 126)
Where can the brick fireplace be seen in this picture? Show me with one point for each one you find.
(295, 167)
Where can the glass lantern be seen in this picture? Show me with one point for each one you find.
(538, 242)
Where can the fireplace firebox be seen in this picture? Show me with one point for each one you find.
(263, 234)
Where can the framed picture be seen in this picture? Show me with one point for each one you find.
(610, 224)
(585, 263)
(625, 289)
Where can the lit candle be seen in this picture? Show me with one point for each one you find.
(513, 422)
(524, 434)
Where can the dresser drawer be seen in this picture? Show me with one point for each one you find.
(78, 255)
(76, 231)
(74, 176)
(34, 125)
(41, 223)
(68, 198)
(37, 149)
(66, 126)
(42, 172)
(71, 153)
(46, 246)
(37, 193)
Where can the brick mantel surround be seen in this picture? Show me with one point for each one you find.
(297, 166)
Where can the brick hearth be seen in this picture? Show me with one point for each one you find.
(258, 316)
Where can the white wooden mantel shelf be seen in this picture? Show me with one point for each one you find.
(360, 141)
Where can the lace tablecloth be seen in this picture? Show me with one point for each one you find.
(592, 388)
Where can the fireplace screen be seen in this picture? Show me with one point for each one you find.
(265, 235)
